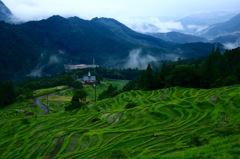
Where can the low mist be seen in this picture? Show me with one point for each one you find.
(230, 46)
(152, 25)
(37, 72)
(136, 60)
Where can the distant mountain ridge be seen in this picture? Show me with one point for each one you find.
(177, 37)
(228, 27)
(99, 35)
(220, 27)
(55, 41)
(42, 47)
(5, 13)
(206, 19)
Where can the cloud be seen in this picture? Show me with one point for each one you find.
(136, 60)
(152, 24)
(37, 72)
(196, 28)
(230, 46)
(36, 9)
(53, 60)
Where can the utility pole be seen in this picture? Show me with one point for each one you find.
(47, 100)
(95, 88)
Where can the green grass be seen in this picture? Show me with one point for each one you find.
(187, 123)
(45, 91)
(18, 110)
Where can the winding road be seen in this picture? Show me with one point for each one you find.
(37, 102)
(44, 108)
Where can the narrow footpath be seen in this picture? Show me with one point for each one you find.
(37, 102)
(44, 108)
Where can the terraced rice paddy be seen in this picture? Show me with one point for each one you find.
(159, 123)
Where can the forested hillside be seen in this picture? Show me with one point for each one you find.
(216, 70)
(18, 53)
(42, 47)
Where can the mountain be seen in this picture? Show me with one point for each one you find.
(177, 37)
(222, 29)
(18, 54)
(103, 38)
(81, 40)
(43, 47)
(206, 19)
(229, 38)
(200, 27)
(5, 13)
(230, 41)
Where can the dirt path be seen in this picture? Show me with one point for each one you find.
(44, 108)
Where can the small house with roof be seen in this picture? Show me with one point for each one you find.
(89, 79)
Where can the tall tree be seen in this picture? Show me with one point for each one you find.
(78, 100)
(7, 94)
(148, 79)
(185, 76)
(110, 92)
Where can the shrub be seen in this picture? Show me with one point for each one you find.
(95, 120)
(197, 140)
(118, 154)
(228, 130)
(130, 105)
(84, 131)
(25, 121)
(110, 92)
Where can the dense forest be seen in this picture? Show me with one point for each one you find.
(7, 94)
(216, 70)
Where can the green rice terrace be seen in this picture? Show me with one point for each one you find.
(167, 123)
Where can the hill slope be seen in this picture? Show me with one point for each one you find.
(18, 54)
(228, 27)
(159, 123)
(5, 13)
(74, 40)
(104, 38)
(177, 37)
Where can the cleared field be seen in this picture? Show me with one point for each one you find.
(175, 123)
(58, 98)
(41, 92)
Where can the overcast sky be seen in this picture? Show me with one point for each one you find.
(118, 9)
(133, 13)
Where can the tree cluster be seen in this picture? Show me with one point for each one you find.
(110, 92)
(7, 94)
(34, 83)
(216, 70)
(27, 85)
(78, 100)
